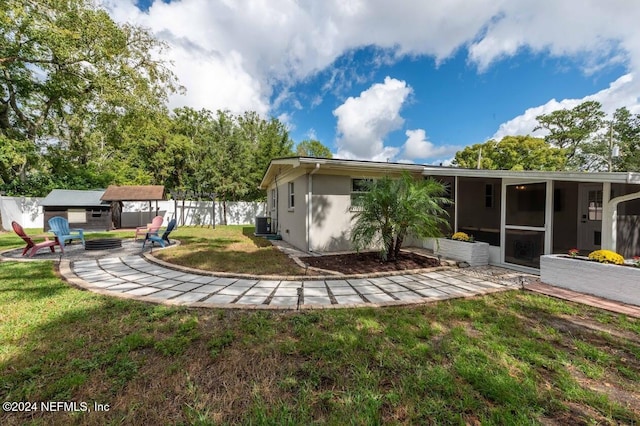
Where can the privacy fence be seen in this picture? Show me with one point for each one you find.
(28, 212)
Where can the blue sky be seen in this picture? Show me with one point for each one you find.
(399, 81)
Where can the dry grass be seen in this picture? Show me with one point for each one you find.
(228, 249)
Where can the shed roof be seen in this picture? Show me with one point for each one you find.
(134, 193)
(73, 198)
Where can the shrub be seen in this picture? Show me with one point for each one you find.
(461, 236)
(606, 256)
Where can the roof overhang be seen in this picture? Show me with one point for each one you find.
(598, 177)
(280, 166)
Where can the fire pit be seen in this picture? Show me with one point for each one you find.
(103, 244)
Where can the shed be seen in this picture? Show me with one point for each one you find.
(117, 195)
(83, 209)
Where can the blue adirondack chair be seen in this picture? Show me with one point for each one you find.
(60, 226)
(162, 240)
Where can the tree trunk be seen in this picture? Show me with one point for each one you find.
(224, 212)
(399, 241)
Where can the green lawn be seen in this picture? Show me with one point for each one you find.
(228, 249)
(507, 358)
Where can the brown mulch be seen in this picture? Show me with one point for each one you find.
(369, 262)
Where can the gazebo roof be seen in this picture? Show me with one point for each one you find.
(134, 193)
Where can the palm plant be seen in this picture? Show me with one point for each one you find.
(392, 209)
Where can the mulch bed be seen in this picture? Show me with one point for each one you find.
(369, 262)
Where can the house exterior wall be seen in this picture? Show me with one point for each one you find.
(331, 218)
(291, 223)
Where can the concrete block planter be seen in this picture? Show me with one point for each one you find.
(614, 282)
(475, 254)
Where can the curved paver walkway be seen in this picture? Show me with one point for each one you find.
(138, 278)
(133, 273)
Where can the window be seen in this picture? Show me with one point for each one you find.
(358, 187)
(488, 195)
(274, 200)
(292, 198)
(77, 216)
(595, 205)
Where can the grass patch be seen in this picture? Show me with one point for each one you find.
(228, 249)
(506, 358)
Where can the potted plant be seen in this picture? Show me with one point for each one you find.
(463, 247)
(603, 273)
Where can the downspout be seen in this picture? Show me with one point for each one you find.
(310, 205)
(277, 208)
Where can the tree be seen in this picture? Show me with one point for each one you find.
(392, 209)
(63, 66)
(267, 139)
(572, 130)
(313, 148)
(625, 132)
(512, 153)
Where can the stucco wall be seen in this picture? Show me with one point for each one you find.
(331, 216)
(292, 222)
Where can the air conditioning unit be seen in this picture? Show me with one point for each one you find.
(263, 225)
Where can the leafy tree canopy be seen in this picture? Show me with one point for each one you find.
(313, 148)
(65, 68)
(512, 153)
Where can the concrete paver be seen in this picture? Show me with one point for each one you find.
(139, 277)
(131, 273)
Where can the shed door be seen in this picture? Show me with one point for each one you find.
(590, 217)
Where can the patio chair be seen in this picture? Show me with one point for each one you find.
(162, 240)
(32, 247)
(60, 227)
(152, 227)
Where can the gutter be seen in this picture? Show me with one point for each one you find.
(310, 204)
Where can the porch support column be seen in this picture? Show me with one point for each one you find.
(548, 218)
(609, 217)
(455, 204)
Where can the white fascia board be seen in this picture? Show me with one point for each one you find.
(597, 177)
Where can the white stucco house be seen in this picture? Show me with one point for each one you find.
(521, 214)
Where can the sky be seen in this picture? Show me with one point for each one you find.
(402, 80)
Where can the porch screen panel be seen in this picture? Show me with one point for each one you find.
(526, 204)
(524, 247)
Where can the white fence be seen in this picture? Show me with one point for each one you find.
(28, 212)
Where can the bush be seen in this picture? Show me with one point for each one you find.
(606, 256)
(461, 236)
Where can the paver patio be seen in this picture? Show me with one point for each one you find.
(136, 277)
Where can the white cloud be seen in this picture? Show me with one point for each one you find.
(592, 29)
(622, 92)
(235, 54)
(418, 147)
(364, 121)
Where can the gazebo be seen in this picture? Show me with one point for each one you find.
(117, 195)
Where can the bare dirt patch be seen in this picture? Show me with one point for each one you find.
(369, 262)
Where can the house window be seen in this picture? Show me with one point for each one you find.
(489, 195)
(595, 205)
(291, 196)
(273, 199)
(358, 188)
